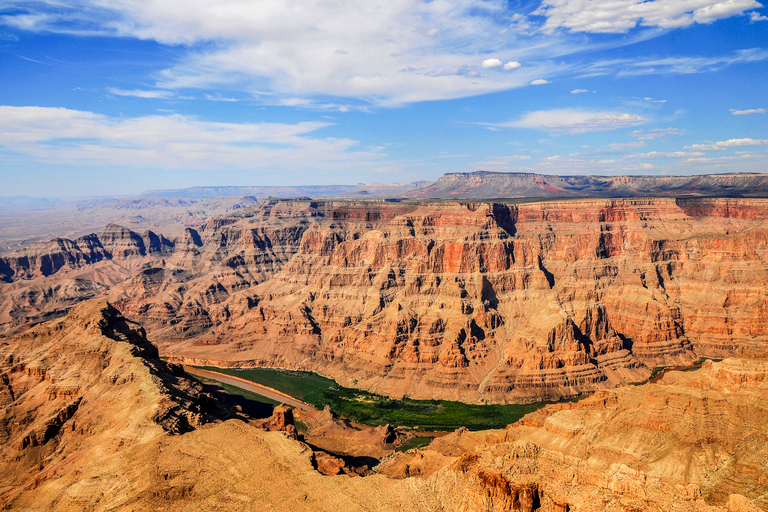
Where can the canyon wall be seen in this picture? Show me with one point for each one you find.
(481, 302)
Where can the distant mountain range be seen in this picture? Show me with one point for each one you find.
(490, 185)
(359, 190)
(500, 185)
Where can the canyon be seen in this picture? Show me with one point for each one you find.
(478, 302)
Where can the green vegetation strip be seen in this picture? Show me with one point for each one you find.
(372, 409)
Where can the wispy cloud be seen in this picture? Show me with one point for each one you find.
(673, 65)
(574, 121)
(380, 53)
(748, 112)
(172, 141)
(730, 143)
(617, 146)
(656, 133)
(139, 93)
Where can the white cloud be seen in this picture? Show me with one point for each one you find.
(580, 91)
(491, 63)
(747, 112)
(756, 16)
(673, 65)
(138, 93)
(656, 133)
(540, 81)
(382, 53)
(671, 154)
(170, 141)
(219, 97)
(730, 143)
(618, 16)
(575, 121)
(627, 145)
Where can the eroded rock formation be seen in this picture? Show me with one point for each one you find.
(468, 301)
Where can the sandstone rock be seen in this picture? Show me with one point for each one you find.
(281, 420)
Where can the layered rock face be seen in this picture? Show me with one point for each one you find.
(508, 303)
(694, 441)
(469, 301)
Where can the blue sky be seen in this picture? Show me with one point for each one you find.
(124, 96)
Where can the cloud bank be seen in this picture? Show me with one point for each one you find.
(171, 141)
(381, 53)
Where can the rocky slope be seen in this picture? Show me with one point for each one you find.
(91, 419)
(88, 386)
(474, 301)
(694, 441)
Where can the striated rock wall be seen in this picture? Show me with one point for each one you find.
(468, 301)
(509, 303)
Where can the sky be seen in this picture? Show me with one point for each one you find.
(116, 97)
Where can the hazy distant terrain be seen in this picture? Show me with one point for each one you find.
(27, 220)
(24, 220)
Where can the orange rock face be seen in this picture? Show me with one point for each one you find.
(475, 302)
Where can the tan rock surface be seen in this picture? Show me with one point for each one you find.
(92, 420)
